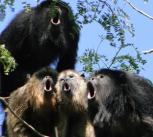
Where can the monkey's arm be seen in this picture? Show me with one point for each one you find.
(68, 60)
(15, 127)
(89, 132)
(17, 31)
(101, 117)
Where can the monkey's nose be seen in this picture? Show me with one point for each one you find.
(64, 79)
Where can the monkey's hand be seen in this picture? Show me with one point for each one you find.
(101, 117)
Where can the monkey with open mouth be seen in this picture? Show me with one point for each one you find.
(36, 103)
(72, 92)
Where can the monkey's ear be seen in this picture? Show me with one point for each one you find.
(82, 75)
(123, 77)
(28, 76)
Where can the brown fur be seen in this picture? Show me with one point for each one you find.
(33, 105)
(72, 92)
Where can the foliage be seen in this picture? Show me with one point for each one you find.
(89, 59)
(6, 60)
(3, 6)
(116, 24)
(145, 0)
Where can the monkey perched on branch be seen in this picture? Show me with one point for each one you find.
(35, 103)
(72, 92)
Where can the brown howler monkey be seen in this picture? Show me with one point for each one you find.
(35, 102)
(72, 92)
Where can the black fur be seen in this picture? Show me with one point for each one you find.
(35, 41)
(121, 104)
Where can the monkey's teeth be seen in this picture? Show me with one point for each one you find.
(89, 96)
(91, 91)
(48, 89)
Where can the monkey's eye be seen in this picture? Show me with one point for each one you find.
(61, 79)
(101, 76)
(82, 75)
(92, 78)
(71, 76)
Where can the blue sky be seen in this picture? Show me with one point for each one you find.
(90, 33)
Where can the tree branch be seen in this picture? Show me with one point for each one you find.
(138, 10)
(148, 51)
(114, 58)
(24, 122)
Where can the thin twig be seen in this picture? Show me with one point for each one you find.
(97, 53)
(114, 58)
(148, 51)
(0, 80)
(24, 122)
(138, 10)
(113, 13)
(108, 5)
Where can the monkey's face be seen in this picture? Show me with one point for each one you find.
(100, 87)
(41, 89)
(105, 82)
(55, 24)
(45, 80)
(72, 88)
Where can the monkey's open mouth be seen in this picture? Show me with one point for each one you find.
(66, 87)
(56, 19)
(91, 90)
(47, 84)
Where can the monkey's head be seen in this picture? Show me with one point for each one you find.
(72, 90)
(104, 83)
(48, 77)
(112, 91)
(40, 89)
(56, 24)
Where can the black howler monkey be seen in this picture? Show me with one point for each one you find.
(46, 34)
(120, 104)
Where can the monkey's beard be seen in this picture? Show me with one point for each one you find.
(74, 97)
